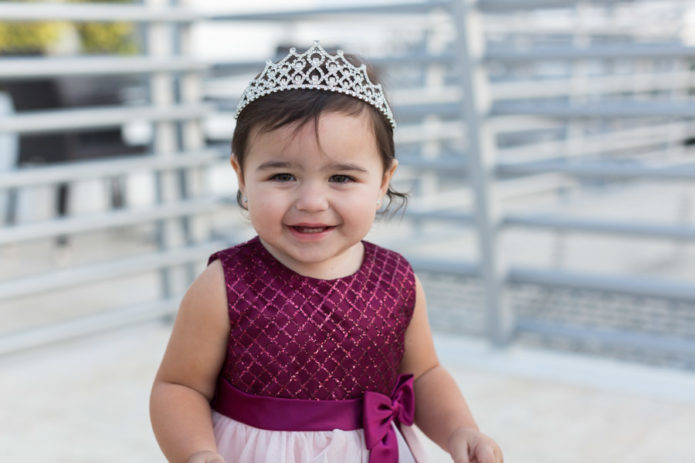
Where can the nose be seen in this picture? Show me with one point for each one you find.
(311, 197)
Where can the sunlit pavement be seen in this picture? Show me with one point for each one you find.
(86, 401)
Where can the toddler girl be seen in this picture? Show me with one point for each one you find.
(306, 343)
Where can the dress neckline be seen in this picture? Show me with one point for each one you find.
(273, 261)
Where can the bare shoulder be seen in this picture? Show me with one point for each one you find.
(207, 294)
(198, 341)
(204, 306)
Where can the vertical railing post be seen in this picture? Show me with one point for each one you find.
(192, 137)
(162, 93)
(475, 106)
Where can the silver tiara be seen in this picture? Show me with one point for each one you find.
(316, 69)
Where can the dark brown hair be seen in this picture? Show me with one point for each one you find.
(279, 109)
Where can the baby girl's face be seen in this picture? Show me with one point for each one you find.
(313, 199)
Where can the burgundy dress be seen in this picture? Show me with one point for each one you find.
(297, 337)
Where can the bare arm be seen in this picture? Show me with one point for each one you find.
(440, 409)
(185, 383)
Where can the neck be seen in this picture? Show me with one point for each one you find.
(343, 265)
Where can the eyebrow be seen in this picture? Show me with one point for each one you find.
(275, 165)
(285, 165)
(348, 166)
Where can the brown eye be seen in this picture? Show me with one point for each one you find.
(341, 179)
(282, 177)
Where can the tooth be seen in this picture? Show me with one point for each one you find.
(311, 229)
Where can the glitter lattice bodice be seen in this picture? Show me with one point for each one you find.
(299, 337)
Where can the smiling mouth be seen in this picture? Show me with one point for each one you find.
(312, 229)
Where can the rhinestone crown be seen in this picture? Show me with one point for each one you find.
(316, 69)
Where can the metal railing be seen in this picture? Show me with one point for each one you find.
(458, 94)
(671, 106)
(179, 204)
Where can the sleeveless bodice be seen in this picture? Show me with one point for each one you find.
(299, 337)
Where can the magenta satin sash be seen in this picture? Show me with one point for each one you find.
(375, 413)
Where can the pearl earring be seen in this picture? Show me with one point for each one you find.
(244, 199)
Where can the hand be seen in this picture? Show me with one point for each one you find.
(205, 456)
(468, 445)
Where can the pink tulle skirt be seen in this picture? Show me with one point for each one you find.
(239, 442)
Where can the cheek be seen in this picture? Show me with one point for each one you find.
(360, 205)
(265, 207)
(360, 208)
(264, 220)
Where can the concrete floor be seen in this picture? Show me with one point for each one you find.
(86, 401)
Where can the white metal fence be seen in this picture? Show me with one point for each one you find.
(517, 122)
(177, 201)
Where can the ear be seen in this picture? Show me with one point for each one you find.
(239, 173)
(386, 179)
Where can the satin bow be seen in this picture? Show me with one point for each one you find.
(380, 411)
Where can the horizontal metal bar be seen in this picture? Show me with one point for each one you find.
(309, 13)
(85, 170)
(413, 110)
(221, 67)
(465, 218)
(599, 169)
(39, 68)
(511, 5)
(634, 339)
(59, 279)
(119, 218)
(453, 163)
(593, 110)
(623, 31)
(227, 67)
(458, 267)
(573, 224)
(417, 58)
(46, 11)
(593, 52)
(97, 117)
(632, 285)
(605, 85)
(88, 324)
